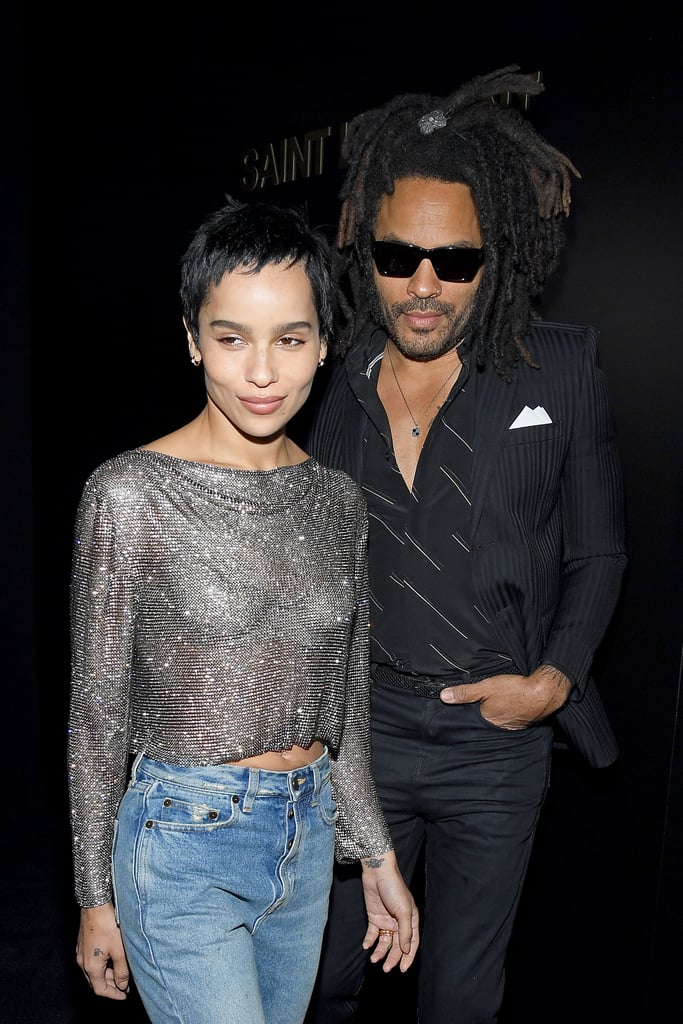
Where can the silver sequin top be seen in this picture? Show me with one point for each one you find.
(216, 614)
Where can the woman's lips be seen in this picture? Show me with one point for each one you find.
(262, 406)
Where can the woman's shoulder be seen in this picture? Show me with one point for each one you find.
(118, 473)
(339, 482)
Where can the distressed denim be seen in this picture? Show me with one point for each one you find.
(222, 877)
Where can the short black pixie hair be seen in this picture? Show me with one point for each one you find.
(251, 236)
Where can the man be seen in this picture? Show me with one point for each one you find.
(483, 440)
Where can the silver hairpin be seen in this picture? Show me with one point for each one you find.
(430, 122)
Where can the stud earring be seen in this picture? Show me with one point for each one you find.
(321, 362)
(195, 360)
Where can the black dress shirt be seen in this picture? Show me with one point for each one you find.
(424, 616)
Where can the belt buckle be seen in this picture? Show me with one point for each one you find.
(428, 689)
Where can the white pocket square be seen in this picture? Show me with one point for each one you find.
(531, 417)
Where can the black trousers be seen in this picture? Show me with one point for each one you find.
(466, 796)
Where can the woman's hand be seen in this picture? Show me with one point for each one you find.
(99, 952)
(393, 917)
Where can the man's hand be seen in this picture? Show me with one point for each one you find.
(511, 701)
(393, 917)
(99, 952)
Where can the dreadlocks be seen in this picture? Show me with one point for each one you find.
(520, 186)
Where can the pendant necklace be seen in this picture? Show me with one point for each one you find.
(416, 429)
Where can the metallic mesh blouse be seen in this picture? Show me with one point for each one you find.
(216, 614)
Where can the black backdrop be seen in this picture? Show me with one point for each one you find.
(116, 150)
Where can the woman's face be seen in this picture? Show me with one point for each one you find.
(259, 340)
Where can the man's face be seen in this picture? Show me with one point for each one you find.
(423, 315)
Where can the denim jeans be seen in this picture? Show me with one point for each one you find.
(467, 795)
(222, 877)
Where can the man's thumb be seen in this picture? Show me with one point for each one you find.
(458, 694)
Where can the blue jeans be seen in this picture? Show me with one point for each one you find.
(222, 877)
(467, 796)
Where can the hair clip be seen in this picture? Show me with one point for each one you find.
(430, 122)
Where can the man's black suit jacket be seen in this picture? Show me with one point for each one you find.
(547, 538)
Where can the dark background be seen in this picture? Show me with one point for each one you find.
(118, 139)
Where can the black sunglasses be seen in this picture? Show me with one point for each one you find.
(454, 263)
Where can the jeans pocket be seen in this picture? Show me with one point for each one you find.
(327, 803)
(498, 728)
(168, 810)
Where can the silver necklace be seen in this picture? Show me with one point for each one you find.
(416, 428)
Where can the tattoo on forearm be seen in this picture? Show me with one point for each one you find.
(558, 677)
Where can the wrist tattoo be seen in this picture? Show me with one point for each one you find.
(373, 862)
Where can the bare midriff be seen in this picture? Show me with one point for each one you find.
(283, 760)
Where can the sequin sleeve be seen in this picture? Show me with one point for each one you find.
(361, 828)
(102, 618)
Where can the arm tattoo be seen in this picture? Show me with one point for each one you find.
(558, 677)
(373, 862)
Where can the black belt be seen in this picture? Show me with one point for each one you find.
(421, 686)
(429, 686)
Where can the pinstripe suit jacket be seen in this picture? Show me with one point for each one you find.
(547, 531)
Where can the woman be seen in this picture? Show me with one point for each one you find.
(219, 748)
